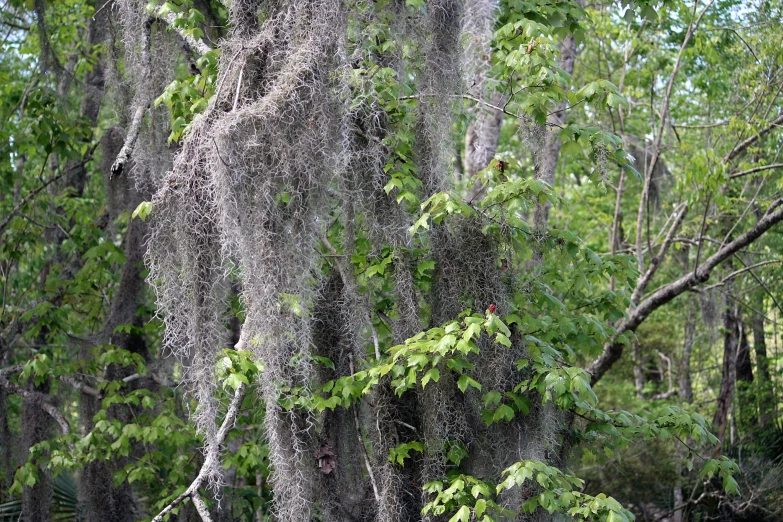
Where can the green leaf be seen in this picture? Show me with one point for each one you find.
(143, 210)
(480, 507)
(465, 381)
(463, 515)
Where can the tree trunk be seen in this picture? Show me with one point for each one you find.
(765, 396)
(546, 159)
(731, 336)
(481, 143)
(686, 389)
(36, 427)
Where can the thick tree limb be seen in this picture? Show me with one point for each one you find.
(212, 458)
(40, 400)
(614, 349)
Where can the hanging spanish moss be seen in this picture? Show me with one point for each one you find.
(290, 160)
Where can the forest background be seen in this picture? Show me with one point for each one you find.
(391, 260)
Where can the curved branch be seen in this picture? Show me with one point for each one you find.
(614, 349)
(211, 458)
(41, 400)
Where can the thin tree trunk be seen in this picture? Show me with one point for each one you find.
(638, 374)
(686, 389)
(730, 341)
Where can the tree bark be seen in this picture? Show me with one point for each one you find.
(36, 427)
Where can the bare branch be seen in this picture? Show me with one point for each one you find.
(78, 385)
(645, 279)
(39, 399)
(741, 271)
(142, 103)
(740, 148)
(754, 170)
(211, 458)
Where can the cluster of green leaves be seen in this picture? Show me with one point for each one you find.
(189, 94)
(159, 441)
(472, 499)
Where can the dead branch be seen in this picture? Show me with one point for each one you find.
(141, 103)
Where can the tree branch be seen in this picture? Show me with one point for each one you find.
(41, 400)
(142, 103)
(645, 279)
(211, 458)
(754, 170)
(195, 45)
(614, 349)
(740, 148)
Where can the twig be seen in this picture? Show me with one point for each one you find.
(239, 84)
(210, 460)
(101, 9)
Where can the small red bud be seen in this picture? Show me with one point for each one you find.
(492, 308)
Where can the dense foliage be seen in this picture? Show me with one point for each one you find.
(391, 260)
